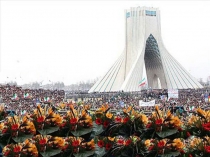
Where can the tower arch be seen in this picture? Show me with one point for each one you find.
(153, 64)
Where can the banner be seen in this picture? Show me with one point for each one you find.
(150, 103)
(163, 97)
(173, 93)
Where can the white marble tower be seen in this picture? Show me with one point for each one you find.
(144, 46)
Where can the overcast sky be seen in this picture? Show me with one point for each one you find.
(74, 41)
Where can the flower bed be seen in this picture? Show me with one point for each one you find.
(76, 133)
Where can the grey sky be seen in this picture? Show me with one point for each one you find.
(74, 41)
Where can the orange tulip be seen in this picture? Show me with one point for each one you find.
(178, 143)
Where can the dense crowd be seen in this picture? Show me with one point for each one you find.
(188, 99)
(17, 99)
(21, 100)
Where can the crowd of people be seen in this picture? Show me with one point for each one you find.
(188, 100)
(17, 99)
(21, 100)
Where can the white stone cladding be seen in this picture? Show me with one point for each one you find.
(144, 46)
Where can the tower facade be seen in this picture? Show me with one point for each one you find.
(144, 47)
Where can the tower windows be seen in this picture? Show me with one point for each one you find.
(128, 15)
(150, 13)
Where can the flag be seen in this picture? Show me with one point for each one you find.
(26, 95)
(46, 99)
(142, 82)
(23, 112)
(15, 97)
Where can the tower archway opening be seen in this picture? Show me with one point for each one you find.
(153, 64)
(156, 82)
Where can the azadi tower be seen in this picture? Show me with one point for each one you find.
(144, 47)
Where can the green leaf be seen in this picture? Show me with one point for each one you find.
(84, 154)
(81, 132)
(5, 138)
(22, 138)
(167, 133)
(2, 145)
(97, 129)
(171, 154)
(49, 130)
(125, 130)
(66, 154)
(51, 152)
(99, 152)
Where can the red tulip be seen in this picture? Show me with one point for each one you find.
(108, 146)
(101, 143)
(15, 127)
(158, 121)
(40, 119)
(207, 149)
(106, 124)
(98, 121)
(42, 141)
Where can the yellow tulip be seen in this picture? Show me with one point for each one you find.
(207, 138)
(169, 115)
(59, 141)
(103, 108)
(109, 115)
(62, 105)
(128, 109)
(31, 148)
(88, 121)
(24, 119)
(134, 113)
(156, 108)
(193, 119)
(87, 107)
(178, 143)
(111, 138)
(84, 113)
(1, 126)
(144, 119)
(30, 126)
(91, 144)
(176, 121)
(201, 112)
(147, 143)
(50, 111)
(71, 107)
(38, 106)
(1, 108)
(56, 118)
(195, 142)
